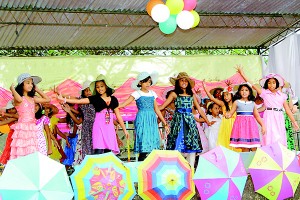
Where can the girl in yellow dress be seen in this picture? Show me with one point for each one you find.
(226, 124)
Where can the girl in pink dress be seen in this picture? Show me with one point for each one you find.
(103, 134)
(25, 130)
(274, 101)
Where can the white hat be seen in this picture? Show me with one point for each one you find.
(86, 84)
(142, 76)
(101, 77)
(9, 105)
(24, 76)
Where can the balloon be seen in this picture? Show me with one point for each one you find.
(175, 6)
(196, 18)
(185, 20)
(151, 4)
(168, 26)
(189, 4)
(160, 13)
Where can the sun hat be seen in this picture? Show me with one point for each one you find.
(165, 92)
(214, 89)
(272, 75)
(101, 77)
(85, 85)
(9, 105)
(182, 75)
(24, 76)
(52, 107)
(142, 76)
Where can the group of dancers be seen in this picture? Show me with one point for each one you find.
(231, 118)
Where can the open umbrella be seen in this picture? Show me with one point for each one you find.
(275, 171)
(102, 176)
(220, 174)
(35, 176)
(165, 175)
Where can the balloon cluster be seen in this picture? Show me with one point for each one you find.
(173, 13)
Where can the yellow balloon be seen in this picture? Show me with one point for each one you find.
(196, 18)
(175, 6)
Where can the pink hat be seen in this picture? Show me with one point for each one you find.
(272, 75)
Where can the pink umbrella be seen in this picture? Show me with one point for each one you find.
(220, 174)
(275, 171)
(5, 96)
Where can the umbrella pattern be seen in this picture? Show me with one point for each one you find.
(165, 175)
(35, 176)
(275, 171)
(102, 176)
(220, 174)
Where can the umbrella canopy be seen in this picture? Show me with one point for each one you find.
(165, 175)
(102, 176)
(35, 176)
(275, 171)
(220, 174)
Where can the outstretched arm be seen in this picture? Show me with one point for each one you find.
(128, 101)
(67, 109)
(200, 111)
(73, 101)
(211, 97)
(240, 70)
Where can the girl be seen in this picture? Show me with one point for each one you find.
(203, 138)
(25, 130)
(42, 122)
(184, 135)
(9, 117)
(226, 124)
(103, 134)
(274, 101)
(245, 133)
(146, 127)
(213, 115)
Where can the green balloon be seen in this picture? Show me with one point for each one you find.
(175, 6)
(168, 26)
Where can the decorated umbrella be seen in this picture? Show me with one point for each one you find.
(220, 174)
(275, 171)
(165, 175)
(102, 176)
(35, 176)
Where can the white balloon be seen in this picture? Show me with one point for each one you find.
(160, 13)
(185, 20)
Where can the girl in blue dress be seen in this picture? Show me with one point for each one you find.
(147, 135)
(184, 135)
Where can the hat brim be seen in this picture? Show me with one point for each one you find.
(278, 78)
(213, 90)
(35, 80)
(99, 78)
(154, 79)
(52, 107)
(173, 80)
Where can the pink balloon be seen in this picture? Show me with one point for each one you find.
(189, 4)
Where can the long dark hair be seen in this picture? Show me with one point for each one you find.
(39, 113)
(144, 81)
(211, 105)
(266, 83)
(237, 95)
(225, 102)
(19, 89)
(179, 91)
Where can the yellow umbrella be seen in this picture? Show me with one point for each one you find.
(102, 176)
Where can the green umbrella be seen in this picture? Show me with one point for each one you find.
(35, 176)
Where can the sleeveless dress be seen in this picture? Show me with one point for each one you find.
(70, 151)
(245, 131)
(213, 131)
(146, 128)
(6, 151)
(88, 111)
(225, 130)
(25, 139)
(42, 144)
(55, 152)
(184, 135)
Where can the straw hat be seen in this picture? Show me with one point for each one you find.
(182, 75)
(52, 107)
(214, 89)
(271, 75)
(142, 76)
(24, 76)
(101, 77)
(9, 105)
(85, 85)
